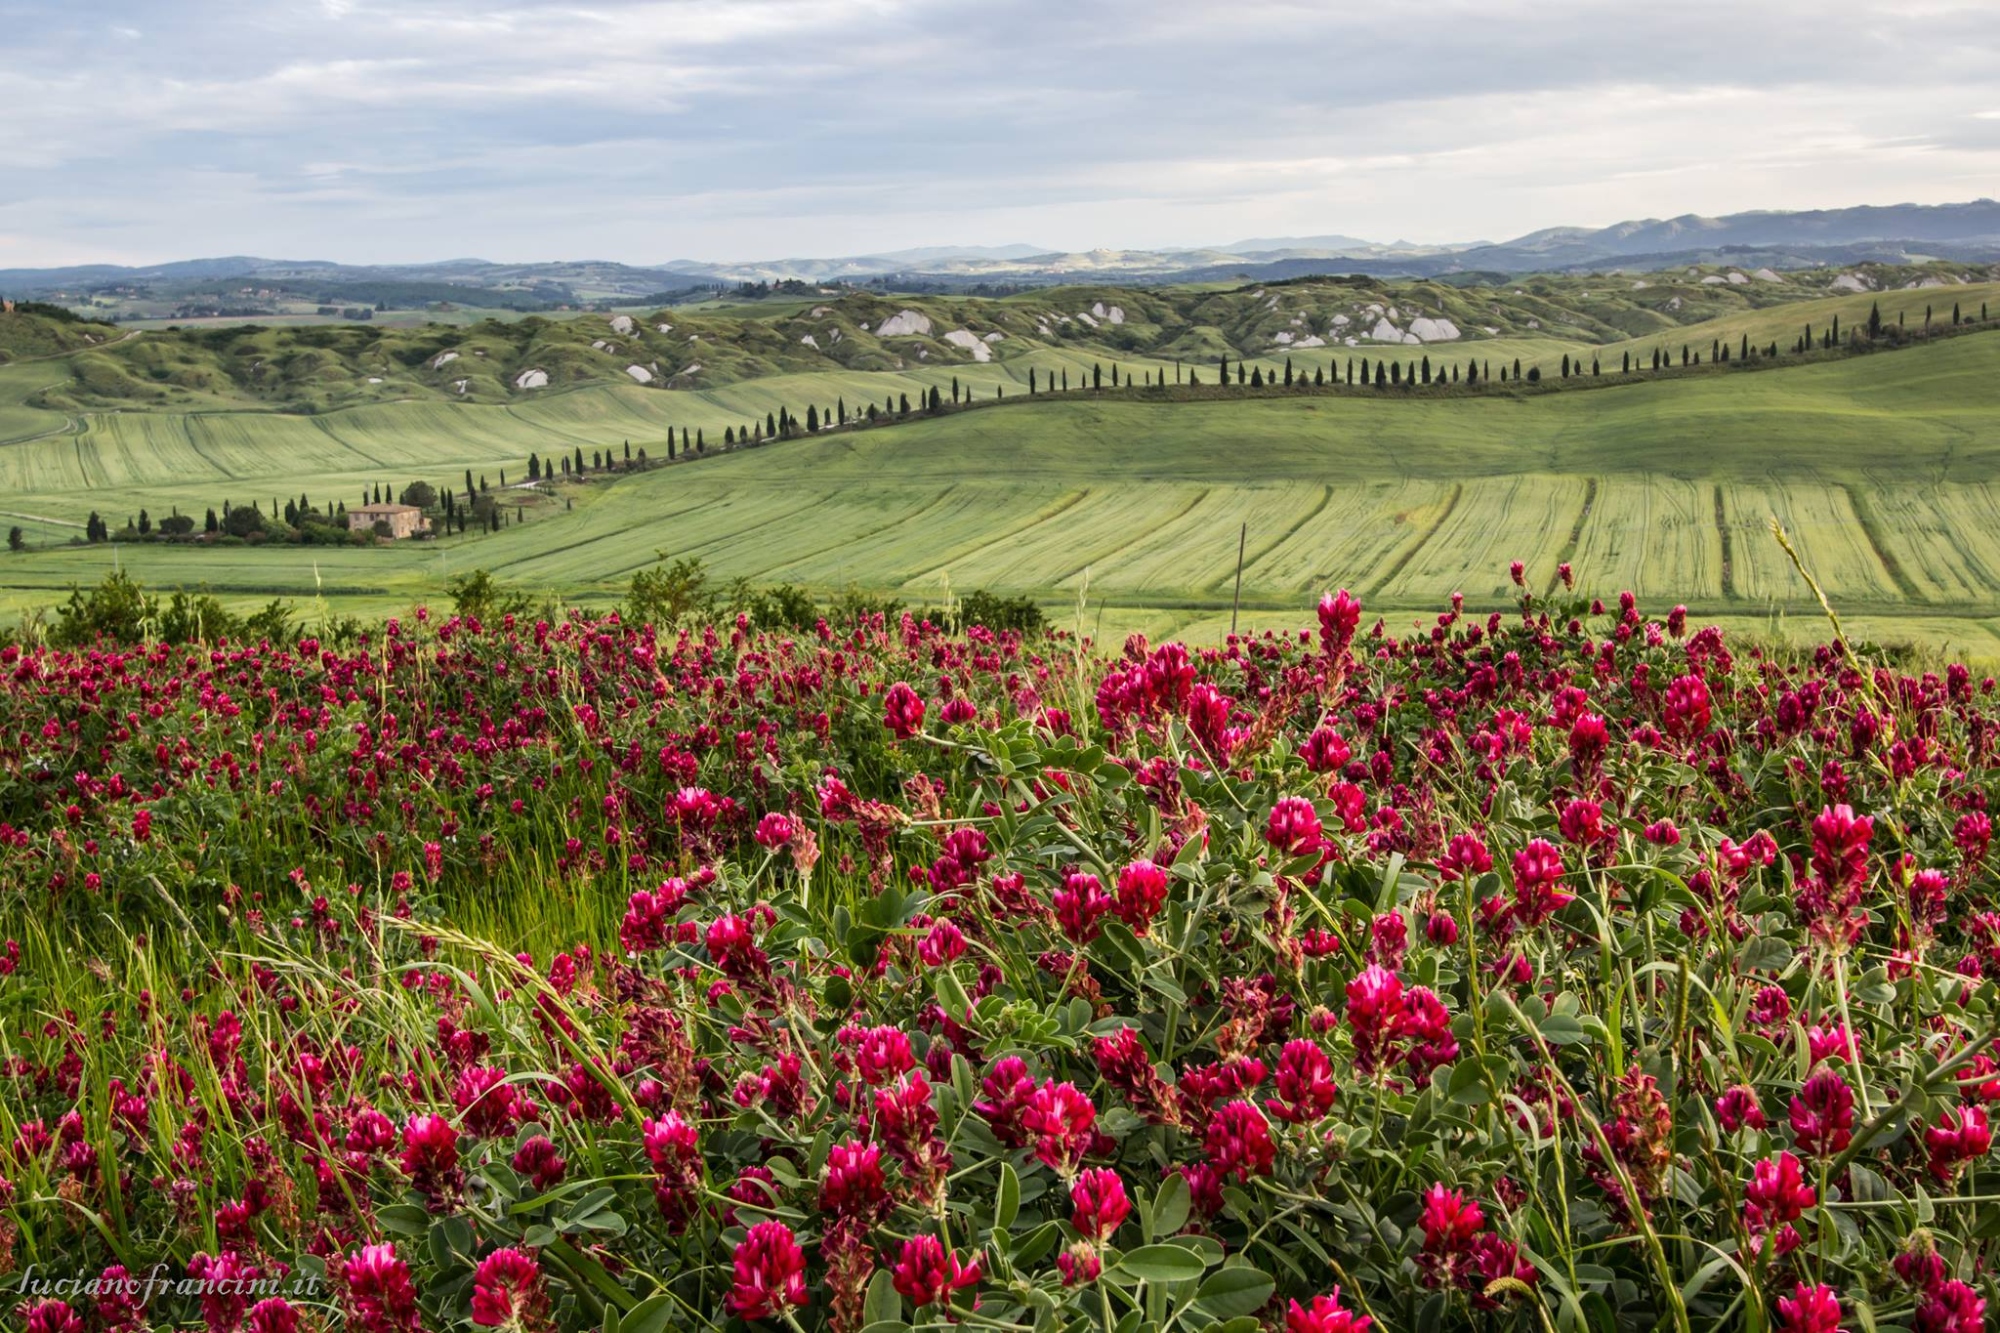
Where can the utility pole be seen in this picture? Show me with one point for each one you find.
(1237, 601)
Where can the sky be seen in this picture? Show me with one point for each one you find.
(383, 131)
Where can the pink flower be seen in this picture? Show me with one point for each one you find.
(1687, 707)
(50, 1317)
(1239, 1141)
(854, 1184)
(225, 1280)
(1822, 1115)
(1325, 1315)
(1538, 872)
(1374, 1006)
(430, 1158)
(1961, 1136)
(775, 830)
(377, 1291)
(1324, 751)
(538, 1160)
(1080, 904)
(1737, 1108)
(770, 1272)
(1294, 827)
(1465, 856)
(1063, 1122)
(1951, 1307)
(1840, 845)
(1100, 1204)
(273, 1314)
(1777, 1195)
(1142, 892)
(1809, 1310)
(881, 1054)
(927, 1274)
(1305, 1083)
(944, 944)
(507, 1289)
(1589, 737)
(902, 711)
(1339, 616)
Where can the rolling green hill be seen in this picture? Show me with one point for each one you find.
(317, 369)
(1885, 467)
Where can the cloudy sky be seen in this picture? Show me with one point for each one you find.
(137, 131)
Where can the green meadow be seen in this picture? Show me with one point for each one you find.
(1884, 467)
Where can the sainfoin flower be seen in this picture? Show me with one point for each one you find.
(1293, 826)
(1062, 1122)
(1142, 892)
(926, 1273)
(902, 711)
(1305, 1083)
(1325, 1314)
(1822, 1115)
(769, 1272)
(377, 1292)
(507, 1291)
(1099, 1203)
(1809, 1309)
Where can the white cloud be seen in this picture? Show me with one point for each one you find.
(650, 129)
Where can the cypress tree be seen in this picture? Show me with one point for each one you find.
(1319, 377)
(1288, 372)
(1096, 375)
(1239, 370)
(905, 404)
(1257, 377)
(842, 408)
(700, 441)
(1031, 379)
(670, 446)
(1065, 379)
(1427, 368)
(812, 413)
(954, 394)
(1874, 319)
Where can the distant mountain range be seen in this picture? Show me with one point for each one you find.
(1893, 234)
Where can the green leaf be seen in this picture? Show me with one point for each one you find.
(883, 1305)
(655, 1314)
(1562, 1030)
(1230, 1292)
(1007, 1204)
(1162, 1263)
(405, 1219)
(1467, 1087)
(951, 994)
(1170, 1206)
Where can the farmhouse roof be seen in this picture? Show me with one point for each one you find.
(386, 509)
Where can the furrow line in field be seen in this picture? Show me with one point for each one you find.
(864, 535)
(1185, 510)
(325, 427)
(1575, 538)
(1063, 506)
(1249, 562)
(1728, 557)
(1872, 531)
(1402, 561)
